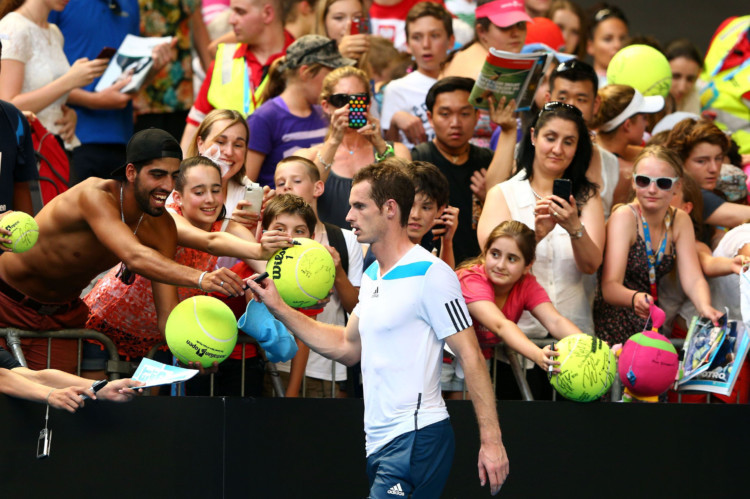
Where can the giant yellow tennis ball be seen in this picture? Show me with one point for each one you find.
(23, 231)
(303, 274)
(641, 67)
(587, 368)
(201, 329)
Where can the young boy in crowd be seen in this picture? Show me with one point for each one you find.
(432, 223)
(300, 176)
(429, 37)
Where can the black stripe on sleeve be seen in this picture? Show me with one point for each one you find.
(458, 313)
(463, 317)
(450, 313)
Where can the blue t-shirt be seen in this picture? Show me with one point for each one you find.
(277, 133)
(88, 26)
(17, 160)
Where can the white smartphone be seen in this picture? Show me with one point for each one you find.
(253, 195)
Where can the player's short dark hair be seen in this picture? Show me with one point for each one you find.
(389, 180)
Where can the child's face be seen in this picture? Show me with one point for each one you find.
(504, 262)
(293, 178)
(201, 198)
(291, 225)
(429, 43)
(422, 217)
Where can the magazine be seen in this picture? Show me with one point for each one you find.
(132, 58)
(703, 342)
(515, 76)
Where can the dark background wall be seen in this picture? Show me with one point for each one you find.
(670, 19)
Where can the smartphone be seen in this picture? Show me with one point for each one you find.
(98, 385)
(358, 110)
(360, 25)
(107, 53)
(562, 187)
(44, 445)
(253, 195)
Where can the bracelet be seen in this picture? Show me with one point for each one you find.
(386, 154)
(632, 300)
(327, 166)
(200, 280)
(50, 393)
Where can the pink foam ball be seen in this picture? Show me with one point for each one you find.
(648, 364)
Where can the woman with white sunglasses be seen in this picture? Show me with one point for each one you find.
(644, 239)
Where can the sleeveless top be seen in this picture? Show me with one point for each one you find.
(615, 324)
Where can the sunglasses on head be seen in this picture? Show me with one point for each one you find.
(341, 100)
(550, 106)
(575, 65)
(606, 13)
(663, 183)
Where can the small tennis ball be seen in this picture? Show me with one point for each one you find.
(587, 368)
(24, 231)
(303, 274)
(641, 67)
(201, 329)
(648, 364)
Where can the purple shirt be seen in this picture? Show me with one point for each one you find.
(277, 133)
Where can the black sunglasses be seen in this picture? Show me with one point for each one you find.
(663, 183)
(550, 106)
(575, 65)
(341, 100)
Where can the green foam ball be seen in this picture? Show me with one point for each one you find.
(23, 231)
(303, 274)
(641, 67)
(201, 329)
(587, 368)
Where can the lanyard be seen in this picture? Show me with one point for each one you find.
(654, 261)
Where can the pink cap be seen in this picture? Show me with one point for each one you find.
(543, 30)
(503, 13)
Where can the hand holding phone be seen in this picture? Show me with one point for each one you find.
(107, 53)
(358, 110)
(563, 188)
(360, 26)
(253, 195)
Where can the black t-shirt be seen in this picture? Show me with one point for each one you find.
(711, 203)
(465, 243)
(7, 361)
(17, 160)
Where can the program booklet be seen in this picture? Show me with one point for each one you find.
(514, 76)
(132, 58)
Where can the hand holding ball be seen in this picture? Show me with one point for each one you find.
(303, 274)
(587, 368)
(201, 329)
(23, 231)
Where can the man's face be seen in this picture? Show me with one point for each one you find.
(453, 118)
(580, 94)
(422, 216)
(247, 19)
(366, 218)
(154, 183)
(428, 43)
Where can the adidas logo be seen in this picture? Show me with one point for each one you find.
(396, 490)
(375, 295)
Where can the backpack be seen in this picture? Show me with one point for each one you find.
(53, 165)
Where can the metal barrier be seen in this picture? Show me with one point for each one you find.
(13, 338)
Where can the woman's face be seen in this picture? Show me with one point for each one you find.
(609, 37)
(704, 164)
(231, 142)
(510, 39)
(684, 74)
(652, 197)
(339, 18)
(348, 85)
(570, 25)
(555, 145)
(201, 198)
(504, 262)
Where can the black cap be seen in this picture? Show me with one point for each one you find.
(149, 144)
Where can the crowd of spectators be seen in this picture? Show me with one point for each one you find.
(261, 91)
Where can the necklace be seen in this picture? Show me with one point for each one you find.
(451, 157)
(534, 193)
(122, 214)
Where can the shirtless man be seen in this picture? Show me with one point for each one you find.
(90, 228)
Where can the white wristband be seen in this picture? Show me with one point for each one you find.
(200, 280)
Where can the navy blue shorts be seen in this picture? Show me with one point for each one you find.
(415, 463)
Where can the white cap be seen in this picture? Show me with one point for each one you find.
(669, 121)
(639, 104)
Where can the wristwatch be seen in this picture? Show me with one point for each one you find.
(578, 233)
